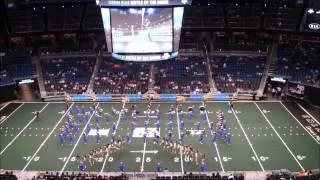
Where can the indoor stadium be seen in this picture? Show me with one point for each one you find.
(160, 89)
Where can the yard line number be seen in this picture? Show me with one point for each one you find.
(262, 158)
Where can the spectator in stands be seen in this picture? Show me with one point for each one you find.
(230, 177)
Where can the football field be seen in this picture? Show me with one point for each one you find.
(264, 136)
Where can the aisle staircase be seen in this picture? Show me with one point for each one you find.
(95, 72)
(269, 69)
(37, 61)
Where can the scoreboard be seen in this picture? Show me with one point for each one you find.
(147, 29)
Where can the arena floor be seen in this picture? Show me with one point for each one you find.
(265, 136)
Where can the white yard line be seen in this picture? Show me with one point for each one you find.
(215, 144)
(299, 122)
(74, 147)
(45, 140)
(4, 106)
(181, 159)
(8, 145)
(248, 140)
(143, 156)
(274, 129)
(11, 113)
(308, 113)
(106, 157)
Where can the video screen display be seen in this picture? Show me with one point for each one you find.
(141, 30)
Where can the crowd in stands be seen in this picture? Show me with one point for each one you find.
(299, 61)
(71, 75)
(73, 175)
(8, 176)
(120, 77)
(15, 66)
(214, 176)
(237, 72)
(182, 75)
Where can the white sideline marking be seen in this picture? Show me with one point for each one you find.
(298, 122)
(308, 113)
(248, 140)
(11, 113)
(74, 147)
(181, 159)
(45, 140)
(265, 117)
(215, 144)
(106, 157)
(22, 130)
(4, 106)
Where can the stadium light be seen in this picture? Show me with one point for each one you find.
(310, 11)
(318, 12)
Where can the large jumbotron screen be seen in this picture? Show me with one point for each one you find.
(142, 30)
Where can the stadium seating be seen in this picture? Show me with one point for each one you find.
(63, 17)
(234, 72)
(282, 17)
(182, 75)
(299, 61)
(16, 66)
(26, 21)
(119, 77)
(204, 17)
(240, 42)
(244, 15)
(92, 18)
(69, 75)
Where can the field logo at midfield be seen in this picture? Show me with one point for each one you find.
(102, 132)
(139, 132)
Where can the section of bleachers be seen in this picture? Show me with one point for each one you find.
(92, 18)
(182, 75)
(201, 16)
(25, 21)
(282, 17)
(120, 77)
(63, 17)
(244, 15)
(15, 66)
(237, 72)
(299, 61)
(71, 74)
